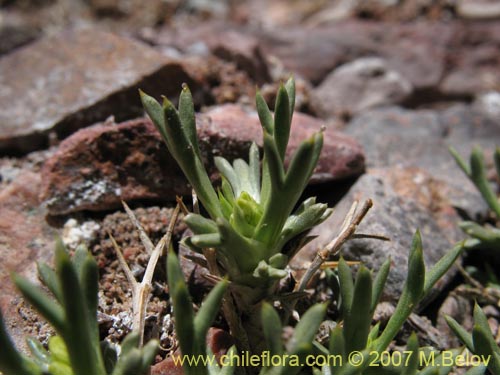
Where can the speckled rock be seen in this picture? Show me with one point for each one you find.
(73, 79)
(404, 200)
(359, 85)
(98, 166)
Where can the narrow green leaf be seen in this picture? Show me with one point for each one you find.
(484, 346)
(478, 176)
(51, 311)
(254, 170)
(130, 342)
(154, 111)
(282, 121)
(303, 163)
(199, 224)
(183, 309)
(49, 279)
(481, 323)
(77, 333)
(337, 345)
(11, 361)
(496, 160)
(476, 370)
(411, 295)
(412, 363)
(441, 267)
(358, 319)
(460, 161)
(372, 336)
(206, 240)
(265, 116)
(464, 336)
(271, 326)
(79, 257)
(148, 354)
(290, 89)
(226, 207)
(276, 170)
(58, 350)
(306, 329)
(346, 287)
(182, 150)
(227, 191)
(109, 355)
(207, 314)
(39, 353)
(379, 283)
(130, 364)
(228, 172)
(188, 118)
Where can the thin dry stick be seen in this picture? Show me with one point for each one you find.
(141, 291)
(349, 226)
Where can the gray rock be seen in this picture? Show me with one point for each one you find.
(404, 200)
(478, 9)
(359, 85)
(397, 137)
(71, 80)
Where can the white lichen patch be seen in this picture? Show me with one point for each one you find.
(75, 233)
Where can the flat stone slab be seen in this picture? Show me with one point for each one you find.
(100, 165)
(74, 79)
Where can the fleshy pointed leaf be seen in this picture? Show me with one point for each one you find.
(306, 329)
(207, 314)
(379, 283)
(357, 320)
(271, 325)
(282, 121)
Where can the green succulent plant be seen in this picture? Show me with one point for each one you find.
(250, 217)
(253, 227)
(480, 342)
(76, 350)
(358, 300)
(487, 236)
(192, 329)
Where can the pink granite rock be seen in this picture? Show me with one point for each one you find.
(98, 166)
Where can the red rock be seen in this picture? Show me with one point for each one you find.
(25, 238)
(73, 79)
(227, 42)
(474, 65)
(99, 165)
(218, 341)
(416, 50)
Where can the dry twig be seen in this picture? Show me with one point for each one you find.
(141, 291)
